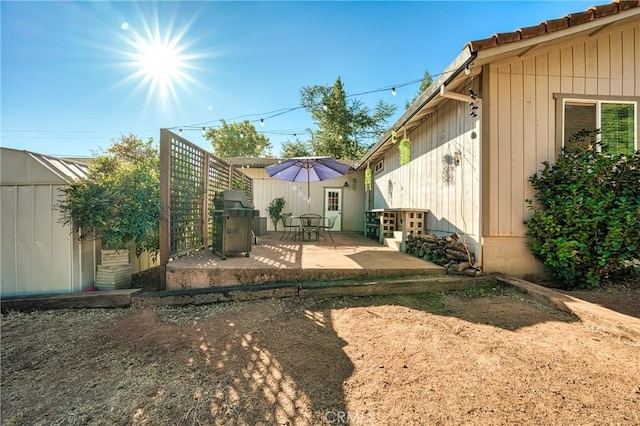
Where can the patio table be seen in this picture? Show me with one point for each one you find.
(310, 223)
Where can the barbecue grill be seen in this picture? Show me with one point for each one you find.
(232, 223)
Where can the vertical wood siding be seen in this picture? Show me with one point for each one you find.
(431, 180)
(266, 189)
(522, 117)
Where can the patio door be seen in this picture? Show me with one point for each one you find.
(333, 206)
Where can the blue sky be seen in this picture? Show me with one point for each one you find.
(75, 75)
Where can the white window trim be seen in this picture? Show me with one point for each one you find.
(562, 99)
(378, 167)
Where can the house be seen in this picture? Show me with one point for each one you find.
(38, 255)
(502, 107)
(337, 193)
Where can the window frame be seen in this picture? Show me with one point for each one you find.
(597, 100)
(379, 166)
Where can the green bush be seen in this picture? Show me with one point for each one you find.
(586, 216)
(119, 200)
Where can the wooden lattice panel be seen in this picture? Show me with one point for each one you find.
(189, 179)
(186, 183)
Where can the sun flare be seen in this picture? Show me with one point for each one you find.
(159, 61)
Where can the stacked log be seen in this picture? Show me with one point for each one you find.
(446, 251)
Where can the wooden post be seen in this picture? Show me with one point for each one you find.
(165, 207)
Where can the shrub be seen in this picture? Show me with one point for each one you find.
(119, 200)
(586, 216)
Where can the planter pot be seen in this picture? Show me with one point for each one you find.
(111, 257)
(114, 271)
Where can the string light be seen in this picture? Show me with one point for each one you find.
(204, 132)
(325, 107)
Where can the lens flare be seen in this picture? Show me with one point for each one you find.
(159, 60)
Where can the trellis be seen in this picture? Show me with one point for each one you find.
(189, 180)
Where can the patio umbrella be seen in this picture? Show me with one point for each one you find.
(308, 169)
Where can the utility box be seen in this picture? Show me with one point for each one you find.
(259, 226)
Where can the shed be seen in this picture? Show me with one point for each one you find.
(38, 255)
(503, 106)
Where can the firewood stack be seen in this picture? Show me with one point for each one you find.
(445, 251)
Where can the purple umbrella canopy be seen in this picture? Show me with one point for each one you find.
(308, 169)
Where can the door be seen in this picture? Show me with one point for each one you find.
(333, 206)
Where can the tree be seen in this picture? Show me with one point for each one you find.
(346, 127)
(296, 148)
(426, 82)
(119, 200)
(237, 140)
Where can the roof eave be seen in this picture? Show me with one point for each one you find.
(453, 69)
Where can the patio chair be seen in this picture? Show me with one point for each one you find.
(311, 222)
(328, 225)
(288, 226)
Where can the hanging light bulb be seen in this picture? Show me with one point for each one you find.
(204, 132)
(241, 135)
(180, 131)
(325, 107)
(262, 122)
(393, 91)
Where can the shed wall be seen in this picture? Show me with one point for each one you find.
(39, 255)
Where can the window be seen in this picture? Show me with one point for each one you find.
(379, 166)
(615, 119)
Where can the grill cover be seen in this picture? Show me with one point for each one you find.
(231, 199)
(232, 223)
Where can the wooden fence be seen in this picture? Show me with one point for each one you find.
(189, 180)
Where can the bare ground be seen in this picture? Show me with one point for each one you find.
(436, 358)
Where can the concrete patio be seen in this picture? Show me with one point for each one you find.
(349, 256)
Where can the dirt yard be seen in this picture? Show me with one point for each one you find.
(474, 358)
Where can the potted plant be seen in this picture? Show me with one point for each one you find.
(275, 210)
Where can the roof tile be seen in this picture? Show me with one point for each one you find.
(534, 31)
(552, 25)
(581, 17)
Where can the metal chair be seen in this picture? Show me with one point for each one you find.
(328, 225)
(311, 223)
(288, 226)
